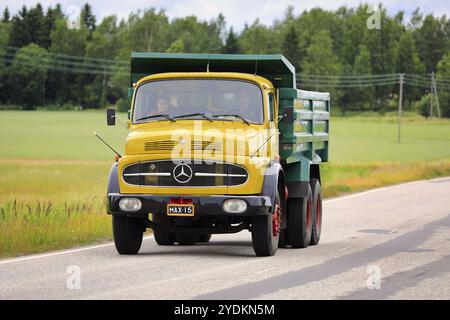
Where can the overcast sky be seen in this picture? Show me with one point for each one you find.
(236, 12)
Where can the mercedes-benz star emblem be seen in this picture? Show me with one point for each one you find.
(182, 173)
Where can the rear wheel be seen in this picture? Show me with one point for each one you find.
(317, 212)
(266, 231)
(128, 233)
(300, 220)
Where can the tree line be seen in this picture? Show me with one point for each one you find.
(45, 62)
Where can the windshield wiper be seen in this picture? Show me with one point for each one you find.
(202, 114)
(158, 116)
(232, 115)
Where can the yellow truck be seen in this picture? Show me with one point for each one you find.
(218, 144)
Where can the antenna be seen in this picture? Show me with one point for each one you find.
(207, 66)
(118, 154)
(256, 66)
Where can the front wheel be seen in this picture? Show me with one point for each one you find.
(266, 231)
(128, 233)
(204, 238)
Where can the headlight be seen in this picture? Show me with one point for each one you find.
(130, 204)
(234, 206)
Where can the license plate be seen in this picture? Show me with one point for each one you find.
(180, 210)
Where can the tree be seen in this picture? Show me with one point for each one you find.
(196, 36)
(364, 95)
(407, 62)
(27, 74)
(146, 31)
(321, 60)
(88, 19)
(291, 46)
(66, 84)
(6, 15)
(28, 26)
(4, 36)
(432, 42)
(232, 43)
(358, 98)
(104, 45)
(258, 38)
(443, 74)
(382, 46)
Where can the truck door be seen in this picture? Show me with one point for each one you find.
(273, 128)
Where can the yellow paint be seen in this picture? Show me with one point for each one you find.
(239, 142)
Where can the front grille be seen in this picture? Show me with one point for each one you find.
(188, 173)
(150, 146)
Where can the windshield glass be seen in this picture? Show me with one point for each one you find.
(192, 97)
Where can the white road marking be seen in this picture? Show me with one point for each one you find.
(53, 254)
(266, 270)
(59, 253)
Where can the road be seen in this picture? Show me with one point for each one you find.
(399, 235)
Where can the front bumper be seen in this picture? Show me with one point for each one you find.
(204, 205)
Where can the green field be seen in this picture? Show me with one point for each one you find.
(54, 171)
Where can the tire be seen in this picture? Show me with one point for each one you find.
(317, 212)
(162, 238)
(127, 233)
(264, 242)
(300, 220)
(283, 242)
(187, 238)
(204, 238)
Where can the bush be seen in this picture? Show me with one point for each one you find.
(59, 107)
(423, 105)
(10, 107)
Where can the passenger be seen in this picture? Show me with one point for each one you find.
(246, 107)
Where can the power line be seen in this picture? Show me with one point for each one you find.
(49, 60)
(73, 57)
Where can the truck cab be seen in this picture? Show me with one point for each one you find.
(206, 154)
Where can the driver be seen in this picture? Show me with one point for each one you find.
(166, 104)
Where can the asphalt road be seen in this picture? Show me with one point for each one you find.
(398, 235)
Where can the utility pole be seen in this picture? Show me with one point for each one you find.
(431, 98)
(433, 82)
(400, 101)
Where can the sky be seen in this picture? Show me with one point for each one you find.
(237, 12)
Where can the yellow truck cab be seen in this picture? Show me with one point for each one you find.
(219, 144)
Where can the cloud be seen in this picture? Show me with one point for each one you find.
(237, 12)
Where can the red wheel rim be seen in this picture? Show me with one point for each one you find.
(308, 214)
(276, 220)
(318, 213)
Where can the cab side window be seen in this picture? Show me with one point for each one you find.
(271, 106)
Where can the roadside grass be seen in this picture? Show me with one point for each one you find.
(53, 172)
(41, 226)
(340, 179)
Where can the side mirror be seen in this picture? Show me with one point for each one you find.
(129, 114)
(110, 117)
(288, 115)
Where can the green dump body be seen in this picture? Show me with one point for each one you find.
(302, 142)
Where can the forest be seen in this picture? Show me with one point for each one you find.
(47, 63)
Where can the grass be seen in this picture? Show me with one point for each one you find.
(54, 171)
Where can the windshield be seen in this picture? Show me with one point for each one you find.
(190, 98)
